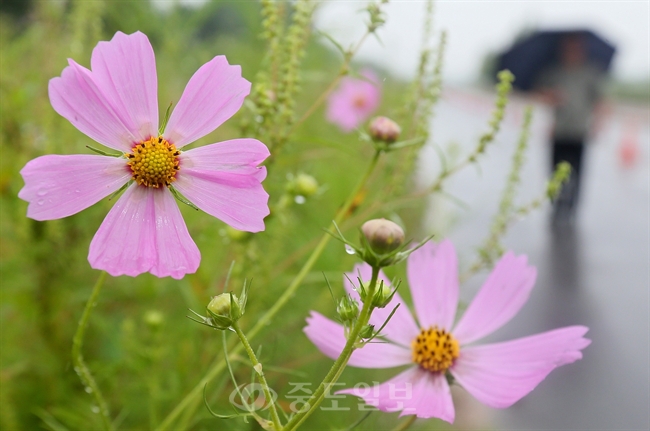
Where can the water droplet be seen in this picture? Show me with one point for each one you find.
(89, 390)
(41, 201)
(77, 191)
(94, 409)
(300, 199)
(41, 192)
(349, 249)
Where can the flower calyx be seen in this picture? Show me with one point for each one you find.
(348, 310)
(223, 310)
(381, 245)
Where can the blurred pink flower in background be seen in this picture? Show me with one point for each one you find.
(116, 104)
(497, 374)
(354, 101)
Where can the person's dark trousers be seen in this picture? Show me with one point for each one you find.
(571, 151)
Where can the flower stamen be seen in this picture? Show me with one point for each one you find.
(154, 162)
(435, 350)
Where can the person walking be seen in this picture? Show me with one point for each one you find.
(573, 87)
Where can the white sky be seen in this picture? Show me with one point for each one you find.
(480, 26)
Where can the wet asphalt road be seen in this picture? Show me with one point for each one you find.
(595, 273)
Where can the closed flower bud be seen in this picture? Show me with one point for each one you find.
(367, 331)
(224, 309)
(384, 129)
(153, 318)
(302, 185)
(383, 295)
(383, 235)
(220, 305)
(305, 185)
(348, 309)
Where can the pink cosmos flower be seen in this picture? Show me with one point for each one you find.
(116, 104)
(497, 374)
(354, 101)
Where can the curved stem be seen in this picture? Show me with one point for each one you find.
(282, 300)
(257, 366)
(78, 362)
(342, 72)
(340, 363)
(406, 424)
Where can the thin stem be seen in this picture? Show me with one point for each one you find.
(342, 72)
(340, 363)
(406, 424)
(78, 362)
(286, 296)
(257, 366)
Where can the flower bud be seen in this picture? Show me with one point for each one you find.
(384, 129)
(383, 235)
(220, 305)
(348, 309)
(306, 185)
(383, 295)
(153, 318)
(367, 331)
(302, 185)
(225, 309)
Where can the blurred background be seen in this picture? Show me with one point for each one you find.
(147, 356)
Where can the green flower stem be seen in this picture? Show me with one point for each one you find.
(340, 363)
(343, 71)
(218, 367)
(406, 424)
(257, 366)
(77, 358)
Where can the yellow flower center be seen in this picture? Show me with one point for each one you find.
(154, 162)
(434, 349)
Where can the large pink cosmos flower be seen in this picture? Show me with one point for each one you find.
(496, 374)
(116, 104)
(354, 101)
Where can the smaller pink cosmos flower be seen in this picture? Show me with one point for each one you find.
(497, 374)
(116, 104)
(354, 101)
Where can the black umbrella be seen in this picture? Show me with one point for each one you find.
(539, 50)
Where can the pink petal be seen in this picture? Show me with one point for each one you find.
(501, 297)
(401, 328)
(125, 70)
(329, 337)
(78, 98)
(343, 109)
(144, 232)
(433, 276)
(501, 374)
(213, 95)
(340, 111)
(223, 180)
(59, 186)
(413, 392)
